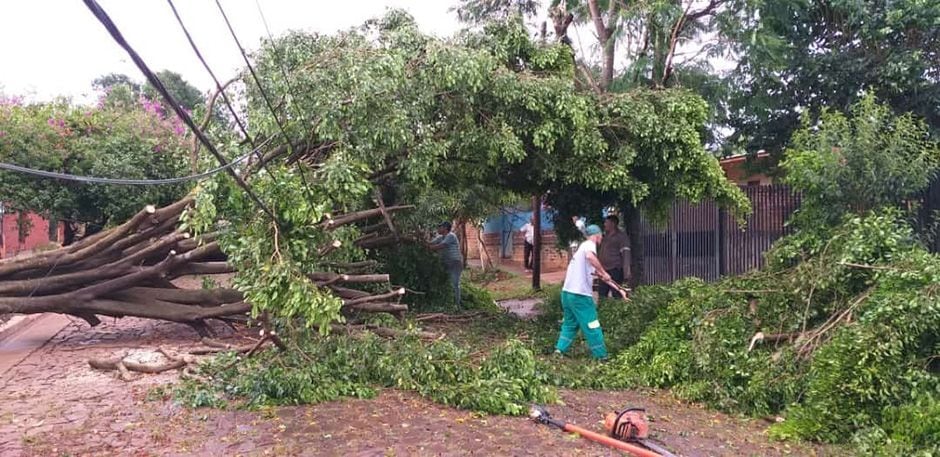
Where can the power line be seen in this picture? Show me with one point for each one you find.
(130, 182)
(108, 24)
(264, 95)
(218, 85)
(282, 64)
(254, 75)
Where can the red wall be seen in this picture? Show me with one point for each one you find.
(10, 243)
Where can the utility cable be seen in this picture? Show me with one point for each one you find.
(106, 21)
(264, 95)
(218, 85)
(131, 182)
(254, 75)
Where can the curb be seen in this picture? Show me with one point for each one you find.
(16, 324)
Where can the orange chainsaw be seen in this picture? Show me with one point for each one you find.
(627, 430)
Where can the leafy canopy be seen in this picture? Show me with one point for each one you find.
(490, 106)
(806, 55)
(856, 163)
(135, 141)
(487, 108)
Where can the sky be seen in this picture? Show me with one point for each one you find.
(52, 48)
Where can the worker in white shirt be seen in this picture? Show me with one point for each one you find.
(528, 235)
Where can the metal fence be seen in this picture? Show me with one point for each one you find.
(704, 241)
(928, 217)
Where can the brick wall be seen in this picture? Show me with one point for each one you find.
(553, 259)
(38, 236)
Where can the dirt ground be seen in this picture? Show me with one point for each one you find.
(54, 404)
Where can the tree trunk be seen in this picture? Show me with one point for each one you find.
(537, 242)
(631, 224)
(126, 271)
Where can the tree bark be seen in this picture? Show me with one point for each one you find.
(606, 39)
(126, 271)
(631, 223)
(537, 242)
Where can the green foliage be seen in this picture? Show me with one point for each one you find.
(910, 428)
(853, 164)
(417, 268)
(622, 322)
(188, 96)
(482, 11)
(475, 297)
(328, 368)
(801, 56)
(860, 300)
(468, 123)
(137, 141)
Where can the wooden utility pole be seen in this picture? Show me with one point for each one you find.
(537, 242)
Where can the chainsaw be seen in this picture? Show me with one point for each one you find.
(627, 430)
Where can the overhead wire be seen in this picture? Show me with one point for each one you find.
(261, 90)
(254, 75)
(218, 85)
(132, 182)
(106, 21)
(281, 62)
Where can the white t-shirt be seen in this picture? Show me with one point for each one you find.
(579, 279)
(529, 232)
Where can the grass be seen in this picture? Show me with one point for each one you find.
(504, 285)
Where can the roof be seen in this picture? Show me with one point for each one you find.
(742, 157)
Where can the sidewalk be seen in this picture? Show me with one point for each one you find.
(24, 334)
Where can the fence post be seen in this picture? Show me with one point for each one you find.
(673, 245)
(721, 243)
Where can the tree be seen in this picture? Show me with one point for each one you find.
(481, 11)
(107, 82)
(853, 164)
(120, 89)
(188, 96)
(384, 111)
(131, 142)
(647, 36)
(800, 57)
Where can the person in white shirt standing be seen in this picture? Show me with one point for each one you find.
(578, 224)
(528, 235)
(577, 297)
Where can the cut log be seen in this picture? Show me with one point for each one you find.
(335, 278)
(380, 307)
(126, 271)
(203, 268)
(373, 298)
(357, 216)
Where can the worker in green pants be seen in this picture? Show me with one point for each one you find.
(577, 297)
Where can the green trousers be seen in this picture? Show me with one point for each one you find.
(581, 313)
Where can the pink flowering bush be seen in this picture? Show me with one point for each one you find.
(119, 137)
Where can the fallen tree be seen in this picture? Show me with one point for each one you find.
(129, 271)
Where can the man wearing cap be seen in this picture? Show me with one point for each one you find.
(614, 254)
(449, 248)
(577, 297)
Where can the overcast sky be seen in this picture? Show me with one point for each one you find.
(57, 47)
(50, 48)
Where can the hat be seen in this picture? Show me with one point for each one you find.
(592, 230)
(444, 224)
